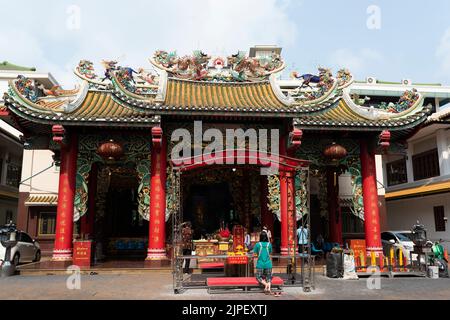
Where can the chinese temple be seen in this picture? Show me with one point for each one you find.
(113, 138)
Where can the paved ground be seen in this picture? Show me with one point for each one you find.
(159, 286)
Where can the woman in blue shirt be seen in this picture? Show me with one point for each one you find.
(263, 249)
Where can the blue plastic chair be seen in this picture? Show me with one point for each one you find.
(120, 245)
(327, 247)
(314, 250)
(317, 252)
(140, 245)
(335, 245)
(131, 245)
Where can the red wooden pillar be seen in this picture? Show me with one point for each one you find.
(157, 224)
(291, 214)
(283, 201)
(266, 214)
(334, 212)
(370, 199)
(66, 194)
(284, 212)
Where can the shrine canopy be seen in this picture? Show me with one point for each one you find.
(200, 85)
(243, 156)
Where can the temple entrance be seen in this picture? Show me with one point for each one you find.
(239, 195)
(121, 229)
(207, 205)
(221, 196)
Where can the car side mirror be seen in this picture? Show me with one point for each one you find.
(392, 241)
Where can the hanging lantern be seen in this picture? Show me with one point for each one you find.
(334, 152)
(110, 150)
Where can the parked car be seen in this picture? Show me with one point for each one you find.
(400, 240)
(26, 249)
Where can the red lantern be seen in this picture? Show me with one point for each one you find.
(110, 150)
(334, 152)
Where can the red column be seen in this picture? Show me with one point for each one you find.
(291, 216)
(284, 212)
(266, 214)
(334, 212)
(66, 194)
(157, 232)
(283, 201)
(370, 199)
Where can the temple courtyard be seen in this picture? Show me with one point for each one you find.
(157, 285)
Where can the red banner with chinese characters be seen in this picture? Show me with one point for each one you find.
(82, 252)
(238, 238)
(358, 246)
(237, 260)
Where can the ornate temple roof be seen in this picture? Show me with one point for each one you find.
(234, 97)
(202, 85)
(342, 115)
(95, 108)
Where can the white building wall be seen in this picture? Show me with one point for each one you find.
(380, 175)
(443, 146)
(35, 161)
(404, 213)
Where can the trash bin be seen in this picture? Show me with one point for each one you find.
(433, 272)
(335, 265)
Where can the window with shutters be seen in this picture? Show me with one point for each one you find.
(396, 172)
(426, 164)
(47, 223)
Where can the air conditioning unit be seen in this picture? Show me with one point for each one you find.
(406, 82)
(371, 80)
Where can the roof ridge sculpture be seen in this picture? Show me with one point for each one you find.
(202, 67)
(410, 102)
(48, 101)
(140, 81)
(317, 91)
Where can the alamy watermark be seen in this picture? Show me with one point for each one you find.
(373, 21)
(73, 282)
(73, 21)
(373, 282)
(239, 146)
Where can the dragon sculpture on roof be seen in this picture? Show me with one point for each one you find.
(138, 82)
(317, 87)
(201, 67)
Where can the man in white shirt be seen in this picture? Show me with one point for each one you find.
(269, 234)
(302, 236)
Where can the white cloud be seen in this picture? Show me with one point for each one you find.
(357, 61)
(443, 53)
(132, 32)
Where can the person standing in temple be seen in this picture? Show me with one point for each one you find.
(263, 250)
(303, 237)
(269, 234)
(186, 235)
(248, 241)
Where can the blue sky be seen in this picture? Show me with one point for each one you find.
(413, 40)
